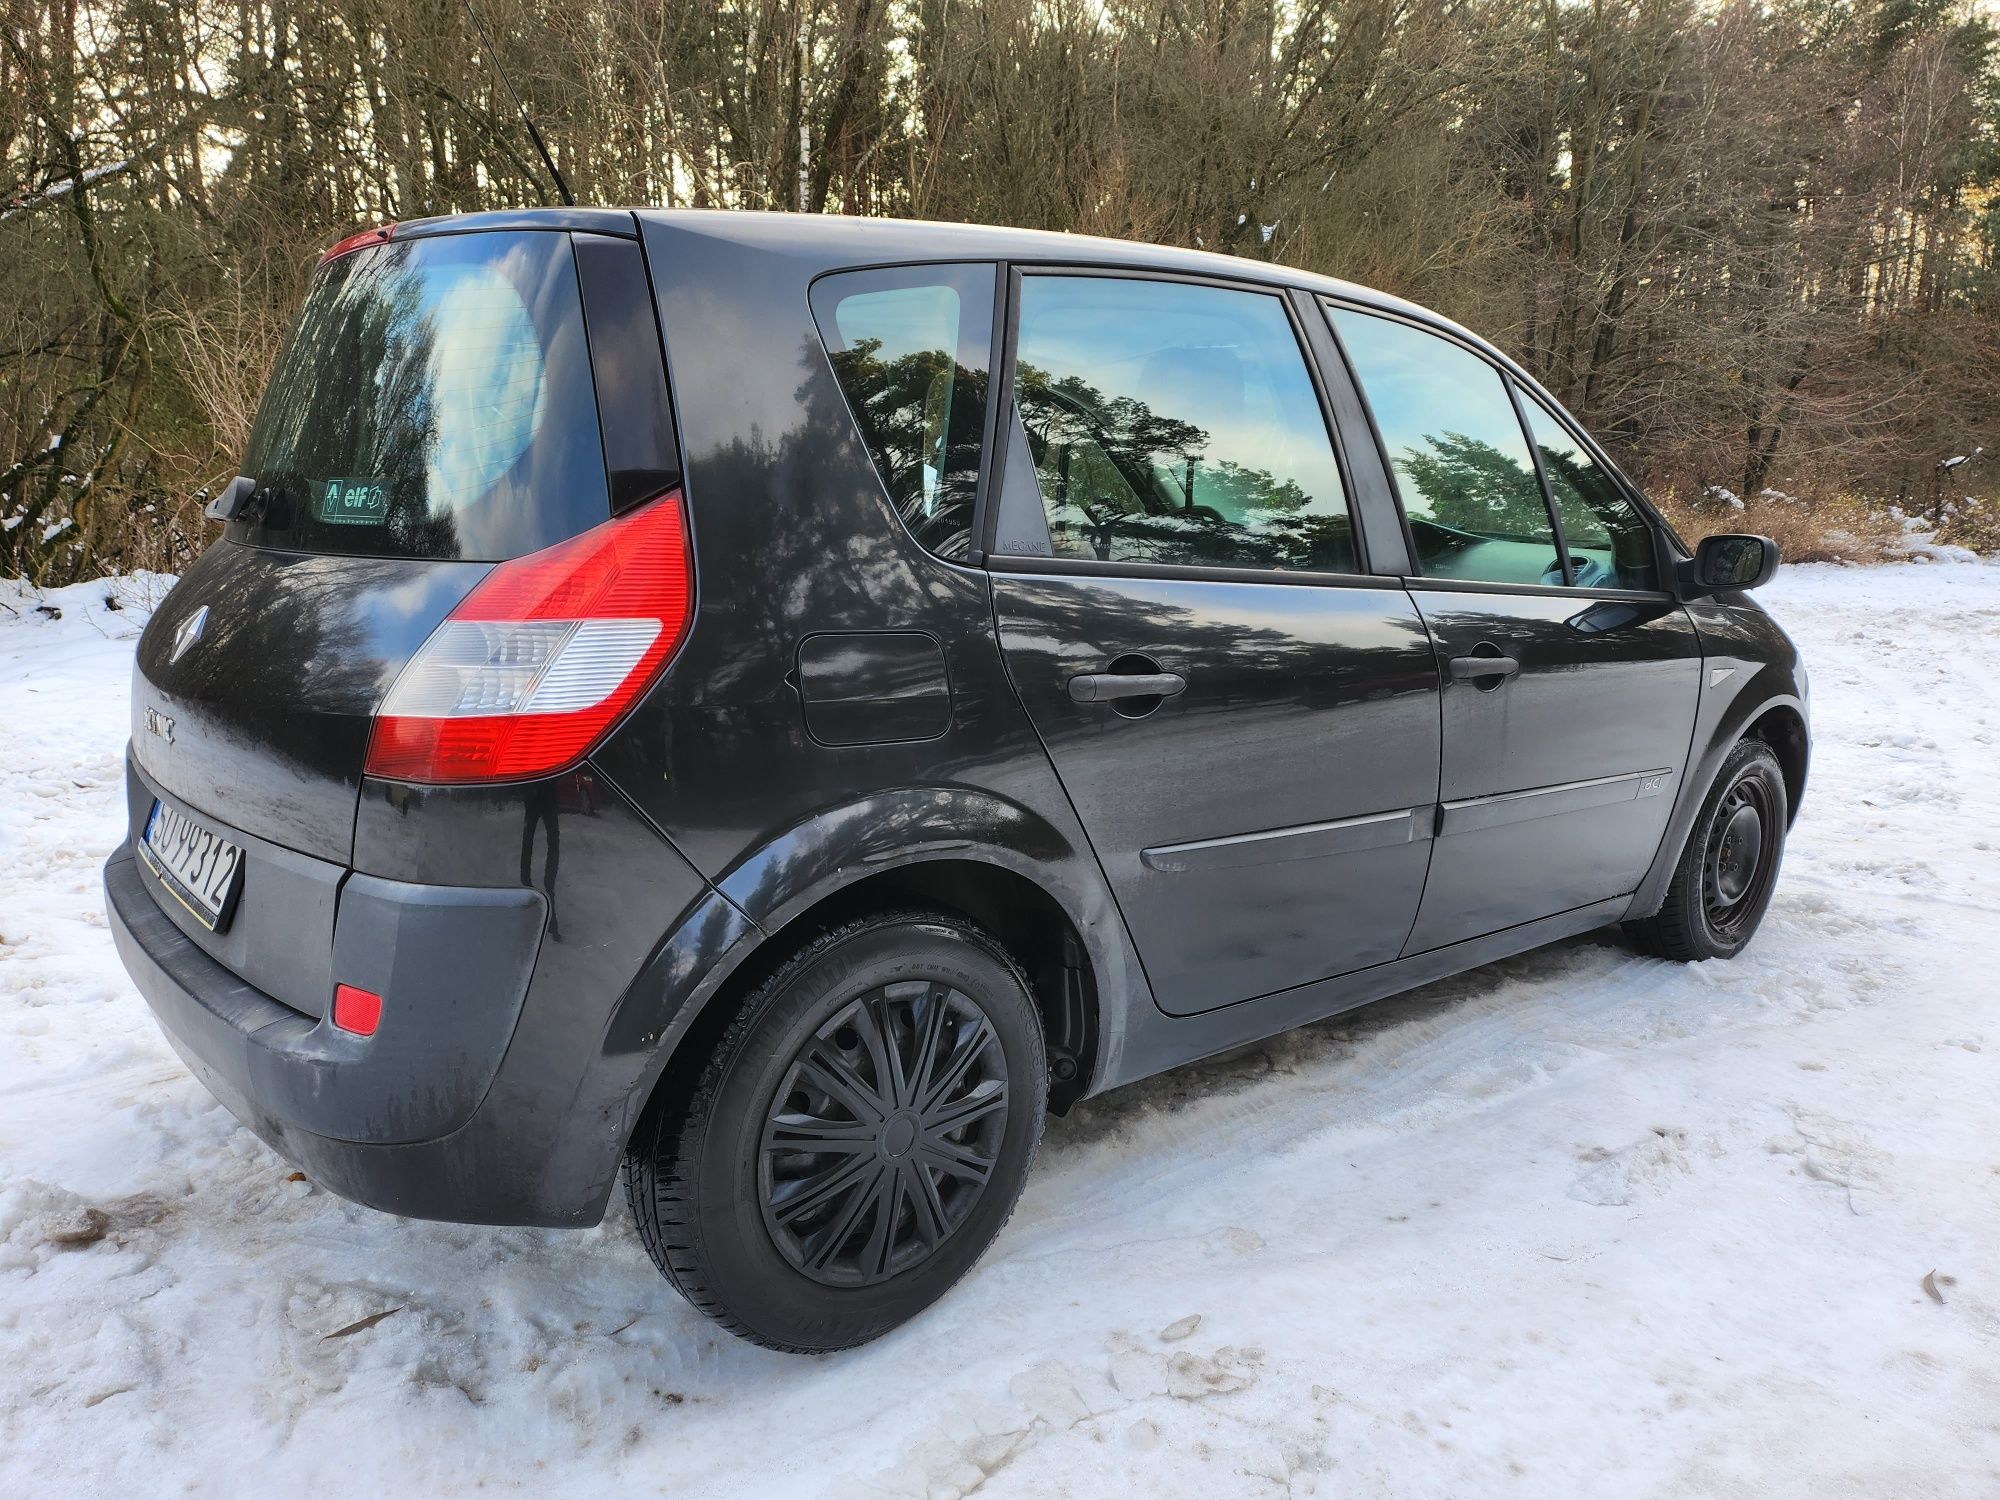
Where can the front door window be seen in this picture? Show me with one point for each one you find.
(1610, 542)
(1462, 465)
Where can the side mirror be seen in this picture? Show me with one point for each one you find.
(1729, 564)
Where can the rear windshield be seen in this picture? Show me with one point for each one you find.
(434, 400)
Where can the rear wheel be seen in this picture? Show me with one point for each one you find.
(857, 1139)
(1729, 865)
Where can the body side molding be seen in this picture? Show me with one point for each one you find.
(1305, 841)
(1546, 801)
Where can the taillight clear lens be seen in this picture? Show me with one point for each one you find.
(539, 661)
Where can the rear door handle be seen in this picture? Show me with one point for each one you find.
(1483, 668)
(1102, 687)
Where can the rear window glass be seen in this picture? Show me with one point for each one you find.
(909, 348)
(434, 400)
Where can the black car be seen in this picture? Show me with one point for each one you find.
(775, 704)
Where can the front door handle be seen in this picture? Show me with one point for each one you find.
(1102, 687)
(1484, 670)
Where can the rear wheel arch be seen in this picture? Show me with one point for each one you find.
(785, 1197)
(1026, 920)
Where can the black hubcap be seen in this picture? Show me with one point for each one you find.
(883, 1134)
(1735, 868)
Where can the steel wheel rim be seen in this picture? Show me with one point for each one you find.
(883, 1134)
(1736, 863)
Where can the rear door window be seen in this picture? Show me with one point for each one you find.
(1171, 422)
(910, 347)
(1462, 466)
(434, 400)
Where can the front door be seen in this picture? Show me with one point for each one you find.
(1570, 676)
(1559, 777)
(1246, 724)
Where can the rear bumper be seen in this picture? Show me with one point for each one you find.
(393, 1121)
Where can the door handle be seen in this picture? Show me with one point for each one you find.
(1102, 687)
(1484, 670)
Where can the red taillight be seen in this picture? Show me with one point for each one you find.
(356, 1010)
(525, 676)
(360, 241)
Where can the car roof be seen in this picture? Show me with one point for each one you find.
(842, 241)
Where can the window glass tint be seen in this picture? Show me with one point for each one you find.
(909, 348)
(434, 400)
(1173, 423)
(1610, 542)
(1462, 467)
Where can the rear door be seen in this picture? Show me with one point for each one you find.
(1570, 676)
(1245, 719)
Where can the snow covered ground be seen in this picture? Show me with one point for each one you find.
(1578, 1223)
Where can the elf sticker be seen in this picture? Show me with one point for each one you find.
(353, 502)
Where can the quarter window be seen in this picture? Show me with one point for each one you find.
(1170, 422)
(909, 349)
(1610, 543)
(1462, 466)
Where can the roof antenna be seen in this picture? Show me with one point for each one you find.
(568, 198)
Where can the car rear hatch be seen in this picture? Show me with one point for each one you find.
(433, 420)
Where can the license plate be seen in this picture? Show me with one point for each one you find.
(200, 869)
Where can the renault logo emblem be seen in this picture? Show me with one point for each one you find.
(189, 632)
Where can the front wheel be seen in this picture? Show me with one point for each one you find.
(1723, 881)
(859, 1136)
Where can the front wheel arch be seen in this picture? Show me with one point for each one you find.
(1716, 901)
(1784, 730)
(1768, 699)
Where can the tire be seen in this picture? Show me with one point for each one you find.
(1718, 896)
(762, 1197)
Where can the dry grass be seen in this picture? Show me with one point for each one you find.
(1972, 522)
(1844, 529)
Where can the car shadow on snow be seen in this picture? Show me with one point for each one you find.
(1381, 1032)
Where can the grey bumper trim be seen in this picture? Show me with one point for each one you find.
(453, 965)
